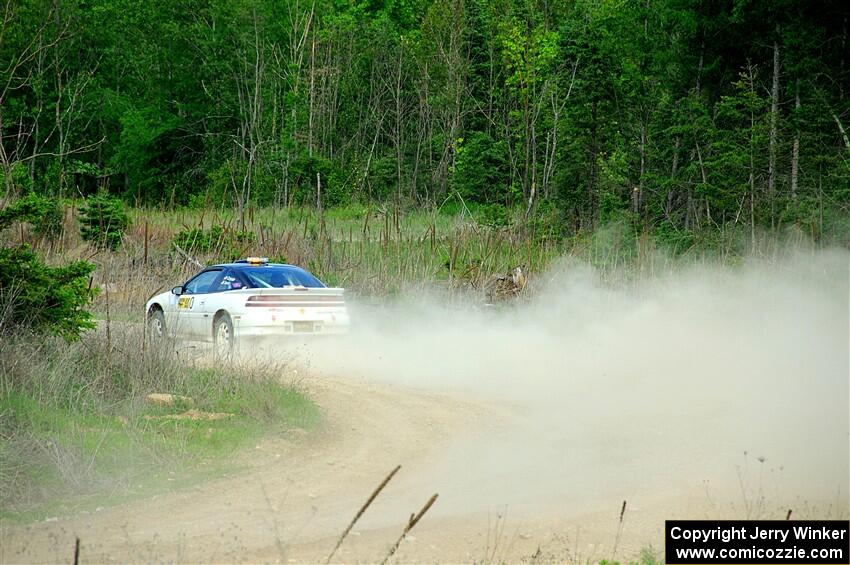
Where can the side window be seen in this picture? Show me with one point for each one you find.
(230, 281)
(202, 282)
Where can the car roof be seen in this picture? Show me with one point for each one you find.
(244, 265)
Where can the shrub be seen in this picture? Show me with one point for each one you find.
(674, 240)
(44, 214)
(44, 299)
(302, 180)
(494, 216)
(103, 220)
(19, 176)
(73, 426)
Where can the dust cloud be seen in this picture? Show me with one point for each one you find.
(734, 379)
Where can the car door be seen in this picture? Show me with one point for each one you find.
(215, 299)
(190, 304)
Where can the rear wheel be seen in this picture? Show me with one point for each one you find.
(223, 336)
(156, 327)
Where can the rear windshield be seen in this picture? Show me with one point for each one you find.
(277, 277)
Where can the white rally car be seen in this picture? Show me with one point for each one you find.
(250, 298)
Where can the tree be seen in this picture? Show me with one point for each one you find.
(44, 299)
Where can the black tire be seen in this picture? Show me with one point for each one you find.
(223, 339)
(156, 327)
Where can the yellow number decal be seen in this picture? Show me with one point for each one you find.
(185, 302)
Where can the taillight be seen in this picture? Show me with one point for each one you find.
(289, 301)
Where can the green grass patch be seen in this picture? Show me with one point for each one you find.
(76, 431)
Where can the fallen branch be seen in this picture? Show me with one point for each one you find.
(414, 519)
(841, 129)
(187, 257)
(360, 512)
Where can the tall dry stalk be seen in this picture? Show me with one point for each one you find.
(362, 510)
(411, 523)
(619, 530)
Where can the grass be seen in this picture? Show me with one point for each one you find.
(647, 556)
(76, 431)
(381, 251)
(374, 252)
(371, 251)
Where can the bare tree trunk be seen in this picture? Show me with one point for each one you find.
(591, 176)
(843, 52)
(61, 140)
(795, 150)
(249, 85)
(842, 130)
(371, 152)
(526, 189)
(39, 106)
(752, 176)
(301, 28)
(398, 120)
(319, 191)
(532, 193)
(704, 178)
(637, 193)
(674, 168)
(774, 112)
(312, 96)
(7, 165)
(701, 63)
(552, 150)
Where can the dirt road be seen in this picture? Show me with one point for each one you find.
(708, 393)
(296, 496)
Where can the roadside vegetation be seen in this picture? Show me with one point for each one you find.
(379, 251)
(76, 429)
(76, 425)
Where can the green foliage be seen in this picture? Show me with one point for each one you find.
(46, 299)
(739, 148)
(672, 239)
(482, 172)
(103, 220)
(495, 216)
(546, 224)
(145, 150)
(19, 178)
(230, 244)
(578, 103)
(382, 178)
(44, 214)
(304, 174)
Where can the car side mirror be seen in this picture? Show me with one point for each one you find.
(177, 290)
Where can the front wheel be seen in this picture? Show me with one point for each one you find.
(156, 327)
(223, 336)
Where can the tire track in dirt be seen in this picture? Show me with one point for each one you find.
(293, 497)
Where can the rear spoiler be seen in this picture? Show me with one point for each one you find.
(317, 291)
